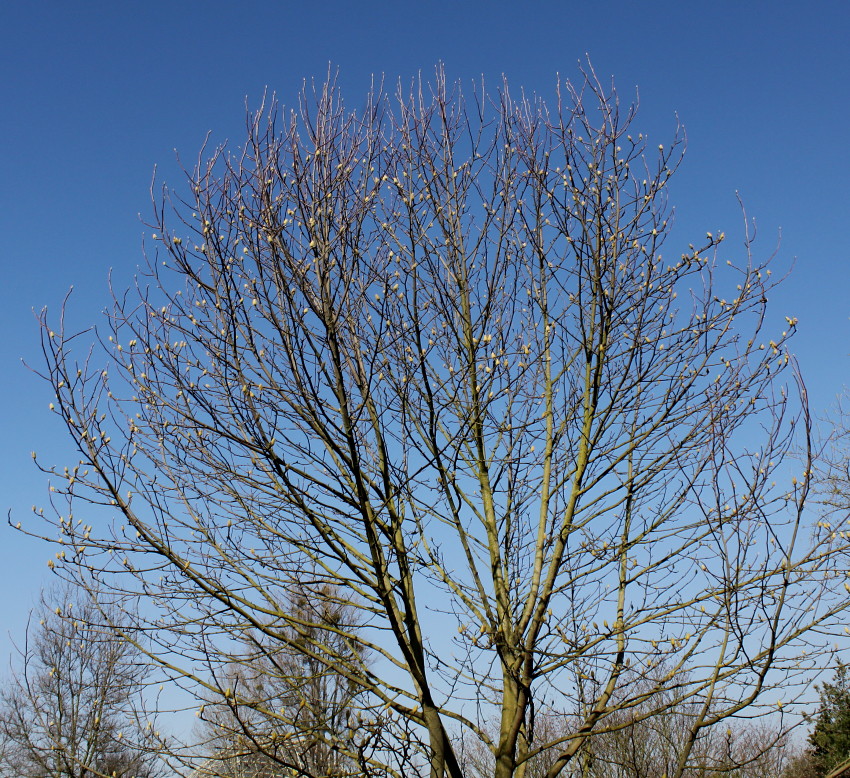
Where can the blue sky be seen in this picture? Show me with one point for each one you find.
(95, 94)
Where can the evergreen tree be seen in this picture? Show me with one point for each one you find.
(830, 738)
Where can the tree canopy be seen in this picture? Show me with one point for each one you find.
(71, 708)
(429, 354)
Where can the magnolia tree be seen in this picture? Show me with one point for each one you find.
(428, 353)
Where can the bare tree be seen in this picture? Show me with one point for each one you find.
(638, 746)
(70, 708)
(431, 349)
(646, 741)
(290, 710)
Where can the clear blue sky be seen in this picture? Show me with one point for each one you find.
(95, 94)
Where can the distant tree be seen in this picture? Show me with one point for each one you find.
(802, 765)
(69, 710)
(830, 736)
(434, 351)
(648, 740)
(289, 710)
(5, 757)
(652, 739)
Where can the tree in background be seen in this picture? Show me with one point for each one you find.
(69, 710)
(634, 745)
(430, 353)
(830, 738)
(287, 709)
